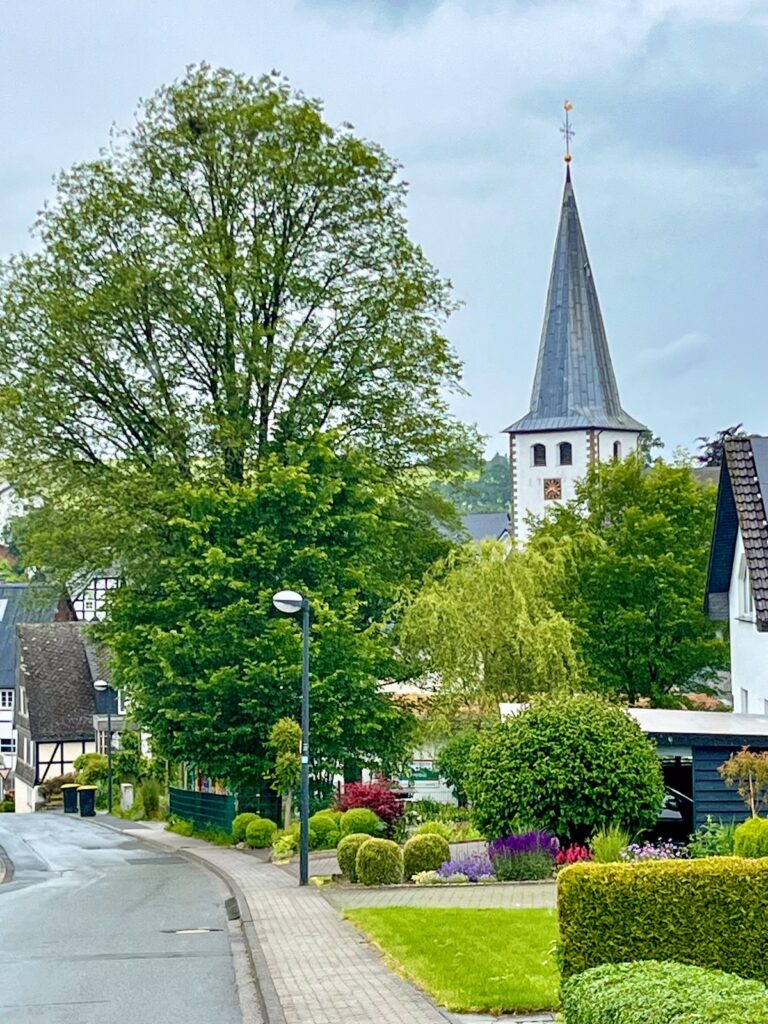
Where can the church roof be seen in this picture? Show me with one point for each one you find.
(574, 386)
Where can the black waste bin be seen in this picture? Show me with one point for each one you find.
(69, 796)
(87, 797)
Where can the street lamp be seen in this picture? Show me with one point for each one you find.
(289, 602)
(101, 686)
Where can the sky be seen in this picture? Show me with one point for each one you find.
(670, 160)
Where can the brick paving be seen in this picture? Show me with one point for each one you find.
(323, 971)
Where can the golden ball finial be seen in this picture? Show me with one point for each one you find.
(567, 105)
(567, 158)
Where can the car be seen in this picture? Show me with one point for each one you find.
(675, 822)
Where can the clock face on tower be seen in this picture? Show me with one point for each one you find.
(553, 489)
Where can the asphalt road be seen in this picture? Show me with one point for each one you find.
(89, 930)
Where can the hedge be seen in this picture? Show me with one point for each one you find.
(651, 992)
(708, 912)
(379, 862)
(750, 839)
(424, 853)
(240, 823)
(346, 853)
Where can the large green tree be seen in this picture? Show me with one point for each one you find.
(231, 276)
(208, 664)
(635, 542)
(484, 627)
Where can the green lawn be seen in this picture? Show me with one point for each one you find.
(470, 960)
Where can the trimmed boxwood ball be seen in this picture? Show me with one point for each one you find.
(361, 819)
(331, 812)
(240, 824)
(750, 839)
(346, 853)
(260, 833)
(653, 992)
(325, 831)
(379, 862)
(425, 852)
(568, 765)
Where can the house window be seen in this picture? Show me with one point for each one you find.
(617, 450)
(539, 454)
(566, 453)
(744, 701)
(6, 700)
(746, 606)
(7, 745)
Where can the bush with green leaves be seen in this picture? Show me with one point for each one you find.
(150, 798)
(452, 761)
(325, 830)
(713, 839)
(240, 823)
(346, 853)
(260, 832)
(567, 765)
(434, 828)
(91, 769)
(653, 992)
(379, 862)
(710, 912)
(425, 852)
(750, 838)
(334, 814)
(361, 819)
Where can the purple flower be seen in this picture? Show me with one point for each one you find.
(473, 866)
(654, 851)
(528, 842)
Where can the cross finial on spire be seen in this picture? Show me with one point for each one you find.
(566, 131)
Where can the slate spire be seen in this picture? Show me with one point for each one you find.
(574, 386)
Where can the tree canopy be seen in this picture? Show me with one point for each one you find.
(635, 541)
(210, 666)
(484, 625)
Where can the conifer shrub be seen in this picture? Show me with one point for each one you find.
(652, 992)
(709, 912)
(325, 831)
(240, 823)
(260, 833)
(361, 819)
(346, 853)
(750, 838)
(379, 862)
(425, 852)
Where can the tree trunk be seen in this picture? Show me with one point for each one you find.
(287, 801)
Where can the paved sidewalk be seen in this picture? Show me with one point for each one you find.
(322, 969)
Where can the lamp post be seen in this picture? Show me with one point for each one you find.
(290, 602)
(101, 686)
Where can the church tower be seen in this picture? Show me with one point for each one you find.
(575, 417)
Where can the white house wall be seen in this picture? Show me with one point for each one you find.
(749, 649)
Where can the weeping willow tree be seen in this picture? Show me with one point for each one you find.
(485, 626)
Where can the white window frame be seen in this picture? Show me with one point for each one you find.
(7, 745)
(7, 701)
(746, 604)
(744, 701)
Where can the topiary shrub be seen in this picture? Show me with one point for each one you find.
(650, 992)
(360, 819)
(708, 912)
(325, 831)
(424, 853)
(567, 765)
(332, 813)
(346, 853)
(750, 838)
(379, 862)
(260, 833)
(240, 823)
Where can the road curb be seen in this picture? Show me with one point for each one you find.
(269, 1001)
(6, 867)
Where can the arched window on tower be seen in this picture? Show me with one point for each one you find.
(617, 450)
(566, 453)
(539, 455)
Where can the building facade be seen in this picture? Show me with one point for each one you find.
(575, 417)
